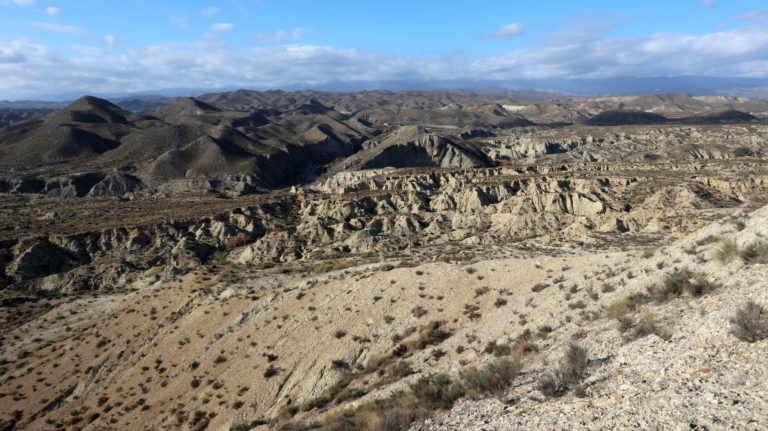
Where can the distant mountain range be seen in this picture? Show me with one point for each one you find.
(531, 89)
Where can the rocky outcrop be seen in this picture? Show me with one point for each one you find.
(105, 259)
(639, 144)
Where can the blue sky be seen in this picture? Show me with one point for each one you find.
(50, 47)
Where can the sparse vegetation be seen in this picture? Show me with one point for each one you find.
(419, 311)
(567, 375)
(493, 378)
(755, 253)
(750, 323)
(437, 391)
(271, 371)
(726, 251)
(681, 281)
(497, 349)
(645, 325)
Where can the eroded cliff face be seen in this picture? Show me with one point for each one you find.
(388, 212)
(630, 144)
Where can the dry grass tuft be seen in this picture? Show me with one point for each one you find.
(727, 251)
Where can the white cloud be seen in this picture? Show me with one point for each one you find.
(508, 31)
(223, 26)
(710, 3)
(8, 56)
(109, 39)
(31, 69)
(282, 35)
(59, 28)
(592, 54)
(209, 12)
(53, 11)
(20, 2)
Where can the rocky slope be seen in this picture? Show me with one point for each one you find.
(690, 372)
(225, 347)
(426, 276)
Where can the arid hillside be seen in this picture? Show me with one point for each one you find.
(385, 261)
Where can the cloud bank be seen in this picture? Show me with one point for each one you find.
(31, 69)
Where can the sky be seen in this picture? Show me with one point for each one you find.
(56, 48)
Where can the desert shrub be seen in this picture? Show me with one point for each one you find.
(755, 253)
(538, 287)
(431, 334)
(550, 385)
(396, 419)
(328, 396)
(497, 349)
(494, 378)
(419, 311)
(472, 311)
(437, 391)
(674, 283)
(726, 251)
(625, 322)
(271, 371)
(568, 374)
(750, 323)
(240, 425)
(340, 364)
(644, 326)
(523, 344)
(544, 330)
(401, 369)
(681, 281)
(395, 413)
(350, 394)
(700, 286)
